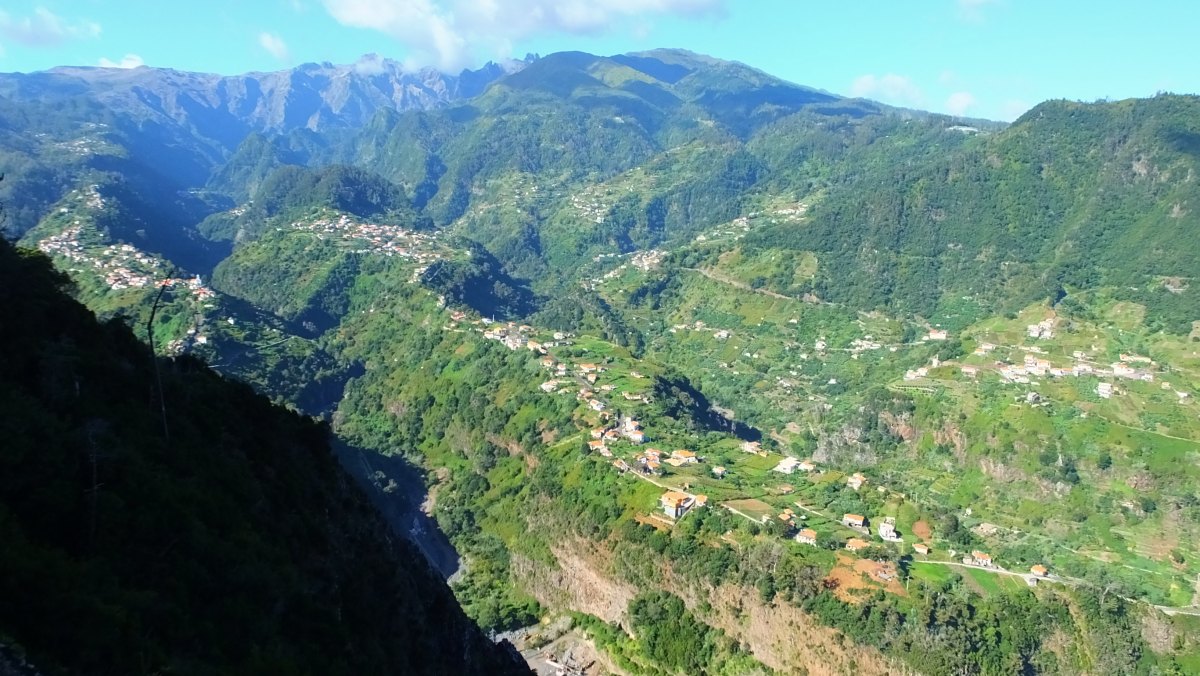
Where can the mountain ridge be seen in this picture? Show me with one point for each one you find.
(226, 107)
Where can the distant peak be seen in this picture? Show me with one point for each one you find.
(373, 64)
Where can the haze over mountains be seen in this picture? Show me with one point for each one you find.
(225, 108)
(993, 325)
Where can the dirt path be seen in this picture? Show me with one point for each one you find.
(718, 277)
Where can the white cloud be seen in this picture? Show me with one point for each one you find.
(890, 88)
(45, 28)
(370, 64)
(450, 33)
(959, 103)
(127, 61)
(274, 45)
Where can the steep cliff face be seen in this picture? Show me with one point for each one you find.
(225, 108)
(778, 634)
(179, 522)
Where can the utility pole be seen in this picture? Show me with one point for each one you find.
(162, 401)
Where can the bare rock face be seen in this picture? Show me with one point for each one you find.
(779, 634)
(224, 109)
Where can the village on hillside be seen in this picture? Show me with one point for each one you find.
(743, 477)
(373, 238)
(1022, 364)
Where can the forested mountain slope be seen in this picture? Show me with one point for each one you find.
(1070, 197)
(194, 528)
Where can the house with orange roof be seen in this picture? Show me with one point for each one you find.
(685, 455)
(807, 536)
(856, 480)
(857, 544)
(676, 504)
(979, 558)
(596, 445)
(1039, 570)
(921, 548)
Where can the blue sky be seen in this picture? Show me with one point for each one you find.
(984, 58)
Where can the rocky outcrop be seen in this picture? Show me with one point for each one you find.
(780, 635)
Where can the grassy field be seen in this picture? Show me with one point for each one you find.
(756, 509)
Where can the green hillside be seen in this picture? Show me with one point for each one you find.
(1070, 197)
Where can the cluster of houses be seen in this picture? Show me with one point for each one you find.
(629, 429)
(789, 465)
(1035, 364)
(374, 238)
(1043, 329)
(651, 460)
(735, 229)
(865, 344)
(590, 207)
(195, 286)
(647, 260)
(122, 266)
(512, 335)
(642, 260)
(887, 531)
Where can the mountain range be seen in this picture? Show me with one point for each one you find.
(992, 327)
